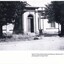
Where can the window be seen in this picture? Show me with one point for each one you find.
(53, 24)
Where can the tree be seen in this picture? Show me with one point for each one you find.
(55, 13)
(7, 11)
(18, 25)
(11, 10)
(49, 13)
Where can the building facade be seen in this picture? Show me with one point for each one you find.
(34, 22)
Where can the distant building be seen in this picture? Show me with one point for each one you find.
(35, 22)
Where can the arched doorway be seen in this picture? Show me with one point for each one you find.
(30, 23)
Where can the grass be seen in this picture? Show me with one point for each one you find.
(16, 37)
(24, 37)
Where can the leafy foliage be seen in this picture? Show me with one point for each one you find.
(20, 6)
(7, 11)
(49, 12)
(10, 10)
(55, 11)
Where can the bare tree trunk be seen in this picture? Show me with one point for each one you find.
(62, 30)
(18, 26)
(1, 33)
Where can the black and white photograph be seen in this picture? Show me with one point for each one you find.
(24, 26)
(31, 32)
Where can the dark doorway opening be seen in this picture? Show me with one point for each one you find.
(31, 21)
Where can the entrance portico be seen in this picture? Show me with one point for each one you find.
(30, 20)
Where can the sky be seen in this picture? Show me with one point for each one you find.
(38, 3)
